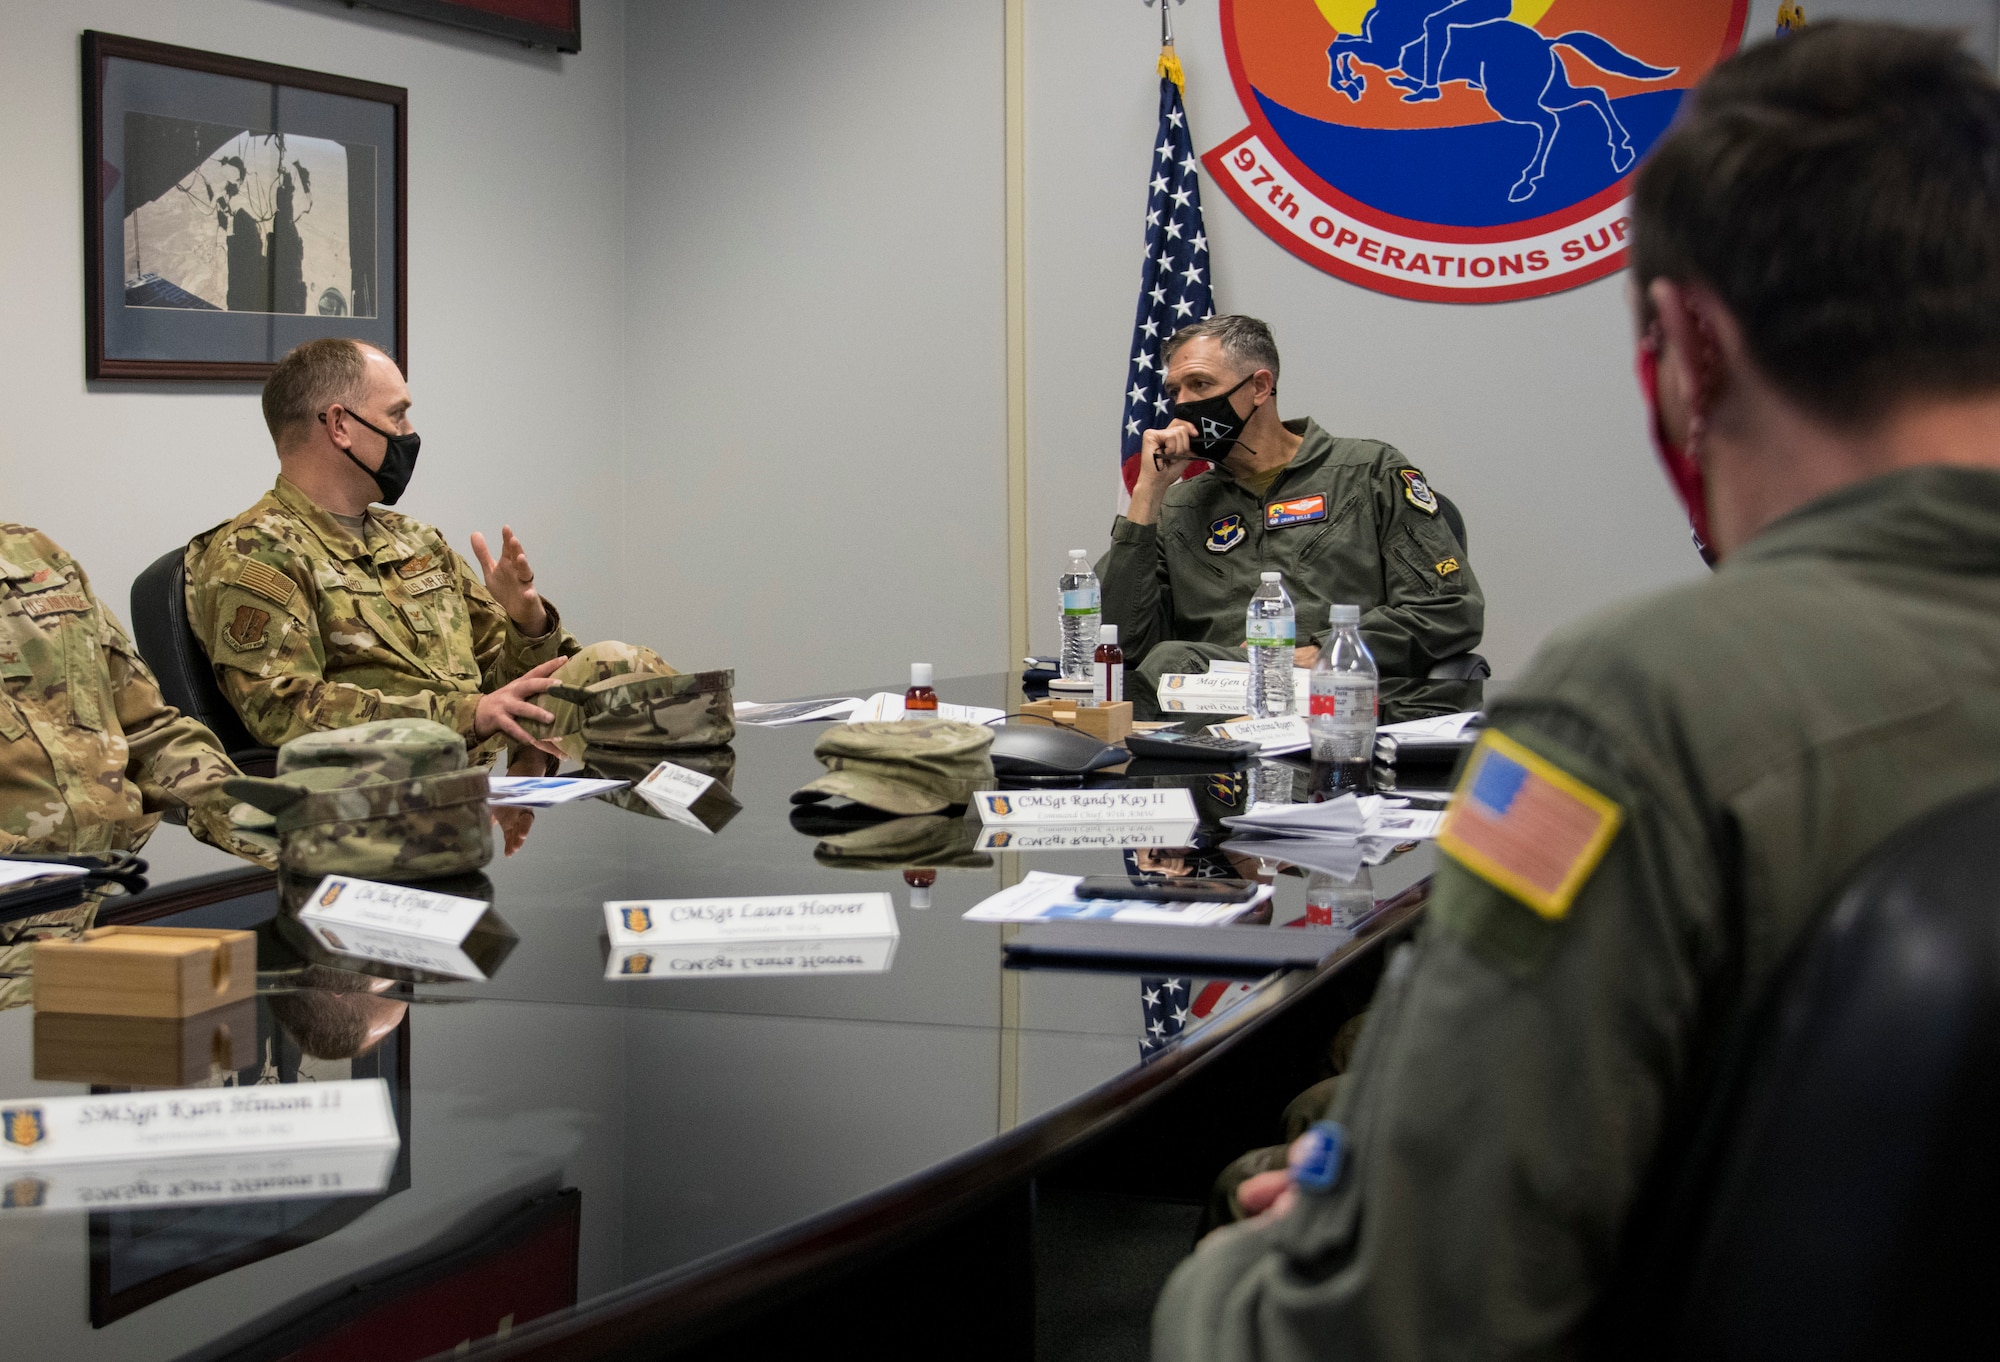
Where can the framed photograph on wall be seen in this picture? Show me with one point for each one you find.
(233, 209)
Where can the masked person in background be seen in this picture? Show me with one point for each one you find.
(321, 609)
(1345, 521)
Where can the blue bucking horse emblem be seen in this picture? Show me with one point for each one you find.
(1423, 44)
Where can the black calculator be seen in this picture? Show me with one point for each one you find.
(1192, 749)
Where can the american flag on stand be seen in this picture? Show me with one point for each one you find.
(1173, 284)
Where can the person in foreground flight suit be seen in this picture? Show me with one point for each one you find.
(1662, 808)
(320, 610)
(1346, 521)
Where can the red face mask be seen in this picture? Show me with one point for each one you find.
(1682, 470)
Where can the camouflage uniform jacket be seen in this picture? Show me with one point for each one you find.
(1761, 734)
(310, 628)
(90, 754)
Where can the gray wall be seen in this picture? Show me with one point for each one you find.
(814, 373)
(1525, 414)
(516, 295)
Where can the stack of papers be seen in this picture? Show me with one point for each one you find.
(1435, 740)
(539, 792)
(1042, 897)
(1339, 836)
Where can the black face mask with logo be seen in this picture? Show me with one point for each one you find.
(399, 460)
(1216, 424)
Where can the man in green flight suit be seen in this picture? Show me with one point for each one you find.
(1347, 522)
(321, 609)
(1665, 805)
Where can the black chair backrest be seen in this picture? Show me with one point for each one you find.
(165, 639)
(1842, 1198)
(1453, 519)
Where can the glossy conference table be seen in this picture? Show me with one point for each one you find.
(951, 1157)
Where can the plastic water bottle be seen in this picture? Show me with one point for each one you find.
(1345, 686)
(1271, 632)
(1334, 902)
(1082, 611)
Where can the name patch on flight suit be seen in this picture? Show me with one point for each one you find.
(1526, 826)
(1226, 533)
(1303, 511)
(1418, 491)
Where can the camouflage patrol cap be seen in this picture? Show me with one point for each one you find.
(387, 800)
(905, 766)
(926, 840)
(655, 712)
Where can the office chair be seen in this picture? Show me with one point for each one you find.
(1465, 666)
(165, 639)
(1840, 1194)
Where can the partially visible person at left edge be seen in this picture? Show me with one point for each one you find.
(90, 754)
(1347, 522)
(321, 609)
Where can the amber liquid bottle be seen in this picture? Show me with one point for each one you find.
(920, 701)
(1110, 661)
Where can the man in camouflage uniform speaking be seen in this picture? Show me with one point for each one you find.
(90, 754)
(1347, 522)
(1669, 800)
(320, 609)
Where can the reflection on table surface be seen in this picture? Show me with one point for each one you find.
(653, 1120)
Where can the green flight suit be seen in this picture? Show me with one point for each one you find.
(312, 627)
(1761, 733)
(1347, 522)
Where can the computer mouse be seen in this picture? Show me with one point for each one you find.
(1031, 749)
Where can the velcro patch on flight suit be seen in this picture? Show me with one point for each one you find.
(1526, 826)
(261, 579)
(1303, 511)
(1226, 533)
(1418, 491)
(1447, 566)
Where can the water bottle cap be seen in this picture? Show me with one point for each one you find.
(1078, 553)
(920, 673)
(1107, 633)
(1274, 577)
(1344, 614)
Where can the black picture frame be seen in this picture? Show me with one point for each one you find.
(523, 21)
(197, 133)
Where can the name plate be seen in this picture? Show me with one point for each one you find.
(1009, 808)
(197, 1182)
(340, 901)
(1085, 836)
(752, 959)
(196, 1123)
(688, 797)
(396, 948)
(1288, 734)
(799, 917)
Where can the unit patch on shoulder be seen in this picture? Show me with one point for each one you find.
(248, 629)
(1447, 566)
(1226, 533)
(1303, 511)
(1418, 491)
(1526, 826)
(262, 579)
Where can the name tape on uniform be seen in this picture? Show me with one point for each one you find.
(1085, 836)
(196, 1123)
(1275, 736)
(796, 917)
(341, 901)
(752, 959)
(1010, 808)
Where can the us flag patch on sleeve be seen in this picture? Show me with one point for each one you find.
(1526, 826)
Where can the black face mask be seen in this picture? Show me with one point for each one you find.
(1216, 424)
(399, 461)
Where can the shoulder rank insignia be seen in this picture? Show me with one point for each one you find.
(1447, 566)
(1418, 491)
(1526, 826)
(1303, 511)
(1226, 533)
(22, 1127)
